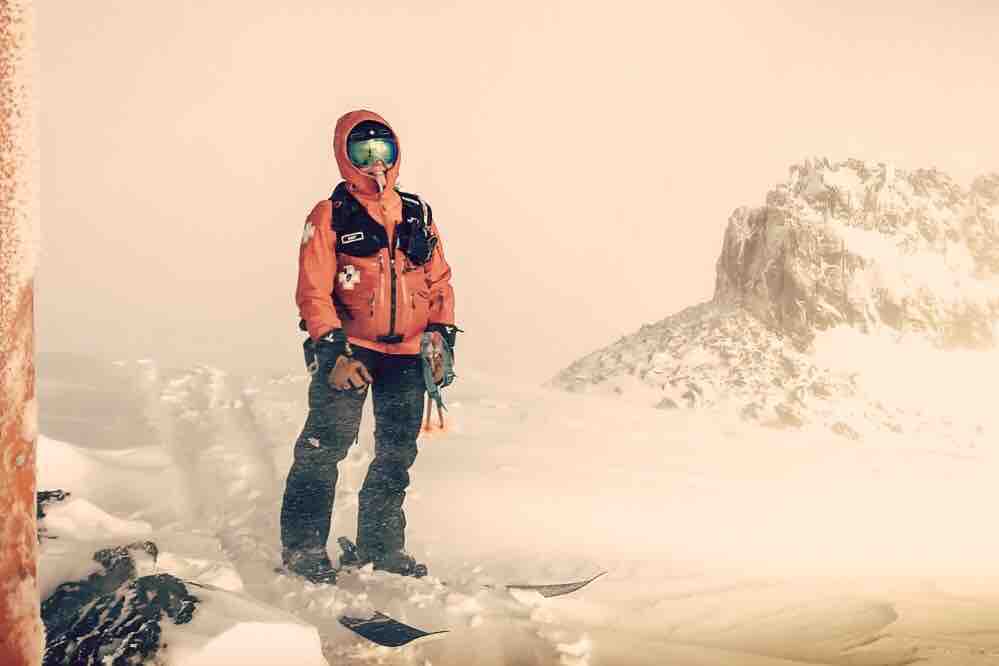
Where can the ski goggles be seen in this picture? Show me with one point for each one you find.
(366, 152)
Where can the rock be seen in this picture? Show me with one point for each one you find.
(43, 497)
(112, 617)
(867, 246)
(845, 430)
(789, 416)
(845, 244)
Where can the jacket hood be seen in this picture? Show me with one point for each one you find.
(357, 180)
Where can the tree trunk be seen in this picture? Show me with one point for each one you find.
(21, 641)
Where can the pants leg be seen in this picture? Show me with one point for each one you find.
(398, 392)
(330, 428)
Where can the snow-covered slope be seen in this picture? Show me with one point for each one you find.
(848, 269)
(726, 542)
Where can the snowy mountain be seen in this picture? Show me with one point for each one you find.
(823, 297)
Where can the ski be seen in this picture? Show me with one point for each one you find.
(389, 632)
(556, 589)
(386, 631)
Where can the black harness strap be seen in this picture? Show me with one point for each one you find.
(358, 235)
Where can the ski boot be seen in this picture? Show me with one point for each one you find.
(314, 566)
(400, 562)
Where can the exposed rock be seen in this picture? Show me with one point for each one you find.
(709, 354)
(113, 618)
(868, 246)
(789, 415)
(43, 497)
(850, 244)
(844, 429)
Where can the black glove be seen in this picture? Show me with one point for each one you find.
(323, 353)
(331, 346)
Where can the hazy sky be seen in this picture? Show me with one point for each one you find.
(582, 158)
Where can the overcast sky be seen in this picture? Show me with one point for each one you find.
(582, 158)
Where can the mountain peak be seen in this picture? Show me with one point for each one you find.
(852, 246)
(869, 246)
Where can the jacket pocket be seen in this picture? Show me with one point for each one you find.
(419, 309)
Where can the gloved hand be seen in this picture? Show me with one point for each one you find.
(444, 336)
(447, 331)
(438, 360)
(349, 373)
(335, 360)
(437, 357)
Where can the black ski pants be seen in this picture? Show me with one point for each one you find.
(330, 428)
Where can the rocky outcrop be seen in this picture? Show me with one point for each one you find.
(868, 246)
(113, 617)
(852, 244)
(42, 498)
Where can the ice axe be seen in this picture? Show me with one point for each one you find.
(437, 358)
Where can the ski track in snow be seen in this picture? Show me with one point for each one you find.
(229, 443)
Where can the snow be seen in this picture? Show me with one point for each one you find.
(725, 542)
(79, 519)
(232, 629)
(846, 181)
(949, 276)
(956, 383)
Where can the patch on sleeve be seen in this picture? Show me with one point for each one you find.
(308, 232)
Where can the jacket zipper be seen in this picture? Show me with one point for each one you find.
(381, 274)
(392, 272)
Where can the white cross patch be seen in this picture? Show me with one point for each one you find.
(308, 232)
(349, 276)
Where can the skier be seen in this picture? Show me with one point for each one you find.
(373, 289)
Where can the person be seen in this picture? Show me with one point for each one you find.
(373, 286)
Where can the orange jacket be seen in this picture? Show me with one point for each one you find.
(363, 285)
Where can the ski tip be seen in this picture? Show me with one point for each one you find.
(556, 589)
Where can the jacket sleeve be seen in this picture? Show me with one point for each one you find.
(317, 272)
(439, 277)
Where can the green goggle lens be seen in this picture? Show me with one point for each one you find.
(366, 152)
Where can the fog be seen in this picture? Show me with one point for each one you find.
(581, 158)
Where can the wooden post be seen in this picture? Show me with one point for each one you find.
(21, 635)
